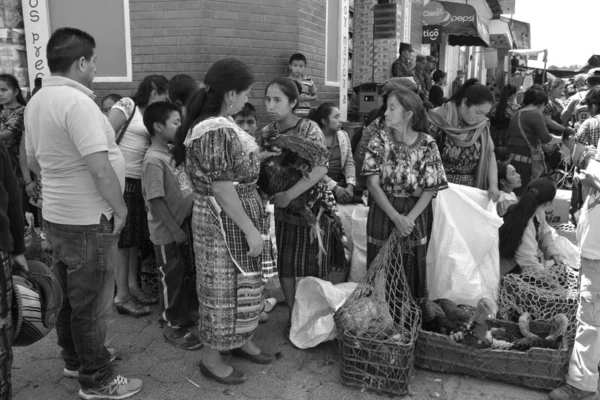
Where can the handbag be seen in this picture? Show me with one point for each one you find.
(538, 163)
(124, 128)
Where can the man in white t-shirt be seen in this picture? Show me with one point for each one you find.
(71, 146)
(582, 379)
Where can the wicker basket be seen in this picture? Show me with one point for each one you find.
(537, 368)
(380, 365)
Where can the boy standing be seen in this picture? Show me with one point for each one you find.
(309, 89)
(246, 119)
(169, 199)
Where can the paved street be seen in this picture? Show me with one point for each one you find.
(300, 374)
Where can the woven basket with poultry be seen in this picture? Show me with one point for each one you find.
(279, 173)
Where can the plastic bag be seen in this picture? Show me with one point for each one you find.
(316, 302)
(463, 260)
(358, 265)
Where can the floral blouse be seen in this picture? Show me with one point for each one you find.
(12, 120)
(405, 169)
(223, 153)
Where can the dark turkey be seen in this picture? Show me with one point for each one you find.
(279, 173)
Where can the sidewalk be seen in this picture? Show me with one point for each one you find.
(299, 375)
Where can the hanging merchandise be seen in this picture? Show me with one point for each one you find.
(463, 262)
(13, 58)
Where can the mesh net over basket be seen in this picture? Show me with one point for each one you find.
(378, 325)
(543, 294)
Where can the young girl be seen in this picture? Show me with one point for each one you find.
(12, 106)
(134, 142)
(298, 255)
(526, 238)
(341, 177)
(508, 180)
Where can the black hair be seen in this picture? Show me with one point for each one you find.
(474, 92)
(160, 112)
(290, 88)
(535, 96)
(503, 154)
(181, 89)
(113, 96)
(508, 91)
(297, 57)
(323, 112)
(223, 76)
(246, 111)
(539, 191)
(593, 98)
(148, 84)
(67, 45)
(13, 83)
(502, 171)
(411, 101)
(438, 75)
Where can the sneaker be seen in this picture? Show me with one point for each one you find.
(73, 373)
(120, 388)
(568, 392)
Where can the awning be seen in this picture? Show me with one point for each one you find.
(459, 21)
(500, 35)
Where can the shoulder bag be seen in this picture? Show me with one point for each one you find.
(124, 128)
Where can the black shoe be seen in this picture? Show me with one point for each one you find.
(260, 358)
(235, 378)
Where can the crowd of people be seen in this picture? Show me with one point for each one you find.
(173, 171)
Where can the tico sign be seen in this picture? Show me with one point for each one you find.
(432, 34)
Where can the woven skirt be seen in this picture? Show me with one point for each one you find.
(298, 253)
(379, 228)
(135, 233)
(230, 302)
(6, 327)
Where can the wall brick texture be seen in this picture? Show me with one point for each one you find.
(173, 37)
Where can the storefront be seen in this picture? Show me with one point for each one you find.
(136, 38)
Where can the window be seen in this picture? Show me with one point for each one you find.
(107, 21)
(332, 43)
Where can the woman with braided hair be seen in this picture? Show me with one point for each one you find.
(525, 237)
(404, 171)
(232, 247)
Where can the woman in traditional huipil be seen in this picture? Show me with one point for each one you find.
(233, 251)
(298, 252)
(404, 171)
(462, 131)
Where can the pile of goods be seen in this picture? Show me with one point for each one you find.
(378, 326)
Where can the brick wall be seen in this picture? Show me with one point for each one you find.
(173, 37)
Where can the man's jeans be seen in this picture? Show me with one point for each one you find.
(583, 367)
(83, 262)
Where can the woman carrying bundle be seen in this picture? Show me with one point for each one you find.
(404, 171)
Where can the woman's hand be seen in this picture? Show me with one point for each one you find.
(281, 199)
(404, 224)
(344, 196)
(255, 243)
(264, 154)
(30, 190)
(20, 261)
(494, 193)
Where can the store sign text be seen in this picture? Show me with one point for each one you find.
(35, 14)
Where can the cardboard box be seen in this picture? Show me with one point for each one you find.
(559, 212)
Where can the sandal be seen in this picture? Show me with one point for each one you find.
(132, 308)
(144, 298)
(182, 338)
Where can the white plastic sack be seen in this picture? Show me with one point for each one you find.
(463, 258)
(316, 302)
(345, 212)
(567, 250)
(358, 265)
